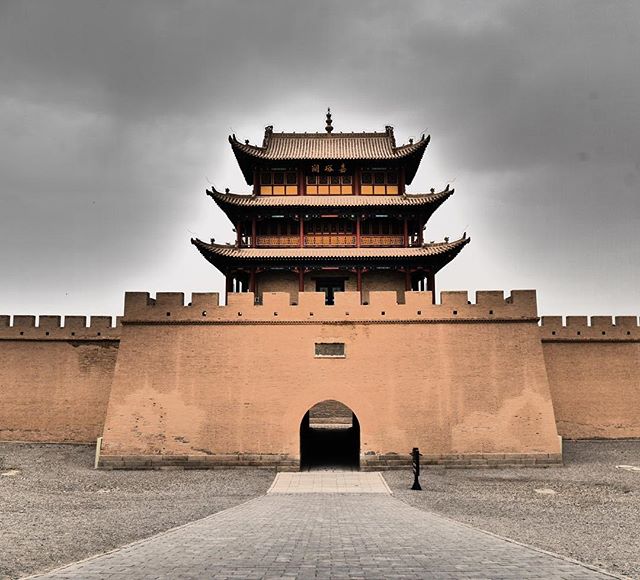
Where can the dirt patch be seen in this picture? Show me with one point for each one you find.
(587, 510)
(55, 508)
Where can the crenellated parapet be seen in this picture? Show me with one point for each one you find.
(309, 308)
(47, 327)
(593, 329)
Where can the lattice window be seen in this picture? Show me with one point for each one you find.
(329, 185)
(278, 183)
(379, 183)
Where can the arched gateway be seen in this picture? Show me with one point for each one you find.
(329, 437)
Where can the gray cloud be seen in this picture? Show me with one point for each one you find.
(114, 116)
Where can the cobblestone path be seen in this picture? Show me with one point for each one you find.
(325, 535)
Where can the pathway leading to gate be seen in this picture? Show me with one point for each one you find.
(322, 525)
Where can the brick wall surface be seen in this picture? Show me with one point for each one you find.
(55, 380)
(594, 374)
(452, 379)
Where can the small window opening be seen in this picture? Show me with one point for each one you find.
(329, 349)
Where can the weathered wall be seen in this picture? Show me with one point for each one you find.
(55, 381)
(376, 280)
(209, 382)
(383, 280)
(594, 375)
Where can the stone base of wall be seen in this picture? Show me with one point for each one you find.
(283, 462)
(465, 461)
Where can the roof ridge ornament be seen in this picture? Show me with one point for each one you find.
(329, 127)
(268, 131)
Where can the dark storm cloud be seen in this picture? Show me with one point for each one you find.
(114, 115)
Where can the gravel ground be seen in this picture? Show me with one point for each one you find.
(587, 510)
(55, 508)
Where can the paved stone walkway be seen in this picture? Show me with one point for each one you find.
(325, 535)
(330, 482)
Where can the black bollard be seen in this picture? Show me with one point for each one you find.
(415, 463)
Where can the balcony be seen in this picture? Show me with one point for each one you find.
(277, 241)
(384, 241)
(330, 241)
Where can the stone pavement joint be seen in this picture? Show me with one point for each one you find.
(330, 481)
(326, 535)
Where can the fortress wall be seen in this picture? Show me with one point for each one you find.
(277, 282)
(594, 374)
(206, 384)
(55, 380)
(383, 280)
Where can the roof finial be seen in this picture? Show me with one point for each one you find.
(329, 128)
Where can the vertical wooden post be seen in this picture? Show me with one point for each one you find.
(301, 279)
(359, 280)
(357, 176)
(407, 279)
(301, 231)
(252, 280)
(405, 233)
(254, 232)
(401, 181)
(431, 285)
(228, 286)
(420, 232)
(239, 234)
(358, 231)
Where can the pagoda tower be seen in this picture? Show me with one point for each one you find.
(329, 213)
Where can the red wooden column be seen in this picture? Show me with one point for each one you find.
(252, 280)
(357, 231)
(405, 233)
(359, 280)
(239, 234)
(420, 232)
(300, 279)
(356, 181)
(228, 287)
(407, 279)
(431, 285)
(302, 231)
(254, 232)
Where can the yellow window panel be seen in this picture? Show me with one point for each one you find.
(278, 190)
(265, 190)
(312, 190)
(379, 190)
(323, 189)
(346, 190)
(292, 190)
(366, 190)
(334, 190)
(392, 190)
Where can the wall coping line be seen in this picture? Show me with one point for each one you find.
(345, 321)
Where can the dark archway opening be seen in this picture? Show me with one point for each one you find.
(329, 437)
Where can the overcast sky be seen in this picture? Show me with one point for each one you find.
(114, 119)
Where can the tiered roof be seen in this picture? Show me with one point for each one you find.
(435, 256)
(235, 205)
(329, 146)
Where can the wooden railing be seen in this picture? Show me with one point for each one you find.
(277, 241)
(329, 240)
(382, 241)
